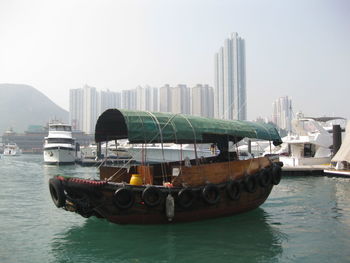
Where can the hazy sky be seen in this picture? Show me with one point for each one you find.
(296, 48)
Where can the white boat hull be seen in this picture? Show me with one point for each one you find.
(294, 161)
(59, 156)
(11, 153)
(157, 155)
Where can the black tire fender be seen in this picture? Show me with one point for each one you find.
(124, 198)
(233, 190)
(57, 192)
(151, 196)
(265, 177)
(250, 183)
(185, 198)
(276, 174)
(211, 194)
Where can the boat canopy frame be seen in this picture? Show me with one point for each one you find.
(157, 127)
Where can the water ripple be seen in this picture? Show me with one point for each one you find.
(305, 219)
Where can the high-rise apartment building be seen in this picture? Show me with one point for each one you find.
(230, 100)
(202, 101)
(76, 108)
(89, 109)
(129, 99)
(180, 99)
(147, 98)
(282, 113)
(165, 98)
(108, 100)
(153, 99)
(86, 104)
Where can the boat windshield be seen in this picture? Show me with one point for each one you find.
(60, 128)
(60, 140)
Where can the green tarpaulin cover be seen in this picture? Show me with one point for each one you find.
(157, 127)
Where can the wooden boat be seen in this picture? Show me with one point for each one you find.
(181, 191)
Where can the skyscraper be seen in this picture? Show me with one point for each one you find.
(107, 100)
(86, 104)
(89, 109)
(230, 100)
(165, 98)
(129, 99)
(76, 108)
(180, 99)
(282, 113)
(202, 101)
(147, 98)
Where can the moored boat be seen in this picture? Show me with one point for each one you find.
(180, 191)
(157, 153)
(309, 145)
(11, 149)
(59, 146)
(340, 163)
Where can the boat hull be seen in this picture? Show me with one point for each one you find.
(123, 203)
(295, 161)
(226, 207)
(59, 155)
(12, 150)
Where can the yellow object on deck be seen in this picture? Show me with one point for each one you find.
(136, 179)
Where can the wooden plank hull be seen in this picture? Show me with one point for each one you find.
(196, 193)
(224, 208)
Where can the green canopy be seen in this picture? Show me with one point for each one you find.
(157, 127)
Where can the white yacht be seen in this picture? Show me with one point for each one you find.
(309, 145)
(110, 150)
(11, 149)
(169, 152)
(59, 146)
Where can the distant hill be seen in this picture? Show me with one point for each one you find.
(23, 105)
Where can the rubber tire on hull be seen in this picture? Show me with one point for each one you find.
(276, 174)
(250, 184)
(265, 177)
(57, 192)
(185, 198)
(233, 190)
(152, 196)
(123, 198)
(211, 194)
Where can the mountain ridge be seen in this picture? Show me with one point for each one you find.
(22, 105)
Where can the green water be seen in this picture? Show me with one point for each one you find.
(305, 219)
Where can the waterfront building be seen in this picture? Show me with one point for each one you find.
(146, 98)
(202, 101)
(153, 99)
(129, 99)
(165, 98)
(180, 99)
(86, 104)
(76, 108)
(108, 100)
(282, 113)
(32, 140)
(89, 109)
(229, 80)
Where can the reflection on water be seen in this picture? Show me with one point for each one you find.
(243, 238)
